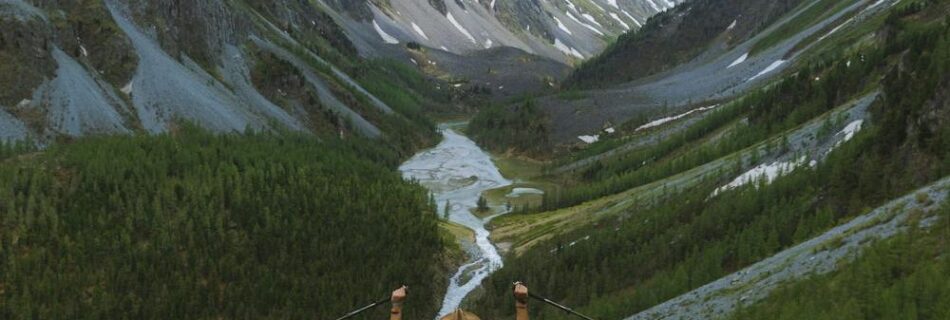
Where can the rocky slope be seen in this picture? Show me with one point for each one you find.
(817, 256)
(90, 67)
(561, 30)
(85, 67)
(731, 61)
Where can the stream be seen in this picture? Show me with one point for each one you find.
(457, 171)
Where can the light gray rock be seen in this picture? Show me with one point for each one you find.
(21, 10)
(11, 129)
(165, 90)
(531, 26)
(77, 105)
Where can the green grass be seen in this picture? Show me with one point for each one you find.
(453, 235)
(516, 168)
(527, 230)
(524, 173)
(573, 95)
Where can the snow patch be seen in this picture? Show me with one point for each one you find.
(847, 134)
(768, 69)
(763, 172)
(616, 17)
(127, 89)
(566, 49)
(879, 2)
(571, 5)
(561, 26)
(613, 3)
(733, 25)
(631, 18)
(661, 121)
(419, 31)
(461, 28)
(569, 15)
(382, 34)
(589, 139)
(851, 129)
(738, 61)
(591, 19)
(842, 25)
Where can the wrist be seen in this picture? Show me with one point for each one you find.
(521, 305)
(396, 309)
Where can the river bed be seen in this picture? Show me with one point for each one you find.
(457, 171)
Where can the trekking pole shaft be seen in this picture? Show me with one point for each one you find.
(363, 309)
(559, 306)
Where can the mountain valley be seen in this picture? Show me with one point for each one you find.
(631, 159)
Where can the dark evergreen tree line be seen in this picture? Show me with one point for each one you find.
(521, 127)
(196, 225)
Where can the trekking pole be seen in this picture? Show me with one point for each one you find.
(363, 309)
(370, 306)
(557, 305)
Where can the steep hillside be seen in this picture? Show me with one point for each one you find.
(493, 49)
(702, 213)
(74, 68)
(734, 62)
(677, 36)
(561, 30)
(94, 67)
(201, 225)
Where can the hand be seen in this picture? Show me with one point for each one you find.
(521, 293)
(399, 295)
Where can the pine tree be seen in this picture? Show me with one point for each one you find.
(448, 210)
(482, 204)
